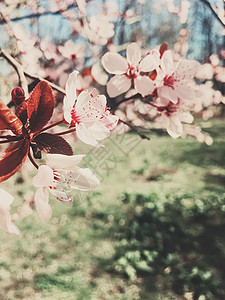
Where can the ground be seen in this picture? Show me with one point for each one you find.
(75, 255)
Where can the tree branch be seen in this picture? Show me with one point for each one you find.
(40, 14)
(134, 128)
(53, 85)
(21, 74)
(19, 69)
(133, 97)
(208, 4)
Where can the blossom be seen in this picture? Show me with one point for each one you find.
(72, 51)
(128, 71)
(171, 117)
(100, 29)
(88, 113)
(205, 72)
(99, 74)
(175, 78)
(60, 174)
(5, 218)
(50, 50)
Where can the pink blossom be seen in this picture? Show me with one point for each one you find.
(98, 74)
(101, 26)
(171, 117)
(88, 113)
(60, 174)
(111, 10)
(5, 218)
(99, 29)
(82, 6)
(127, 71)
(26, 44)
(205, 72)
(183, 11)
(73, 51)
(220, 73)
(214, 59)
(59, 4)
(175, 78)
(50, 50)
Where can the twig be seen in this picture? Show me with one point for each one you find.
(207, 3)
(6, 19)
(136, 96)
(21, 73)
(32, 160)
(65, 132)
(41, 14)
(134, 128)
(50, 126)
(54, 86)
(19, 69)
(8, 137)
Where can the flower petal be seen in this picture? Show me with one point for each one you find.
(71, 87)
(168, 93)
(6, 223)
(144, 85)
(85, 180)
(60, 161)
(117, 85)
(82, 99)
(149, 63)
(167, 63)
(175, 128)
(99, 74)
(186, 69)
(44, 177)
(41, 201)
(6, 199)
(110, 121)
(71, 95)
(133, 54)
(86, 136)
(99, 131)
(61, 195)
(184, 91)
(95, 105)
(186, 117)
(5, 218)
(114, 63)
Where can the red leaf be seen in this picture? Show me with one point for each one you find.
(21, 112)
(163, 48)
(51, 143)
(40, 106)
(8, 120)
(12, 159)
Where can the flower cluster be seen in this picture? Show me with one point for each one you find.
(86, 115)
(165, 83)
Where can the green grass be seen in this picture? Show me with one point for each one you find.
(75, 255)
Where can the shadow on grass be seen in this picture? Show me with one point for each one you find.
(203, 155)
(175, 246)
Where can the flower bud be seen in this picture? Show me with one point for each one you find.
(18, 95)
